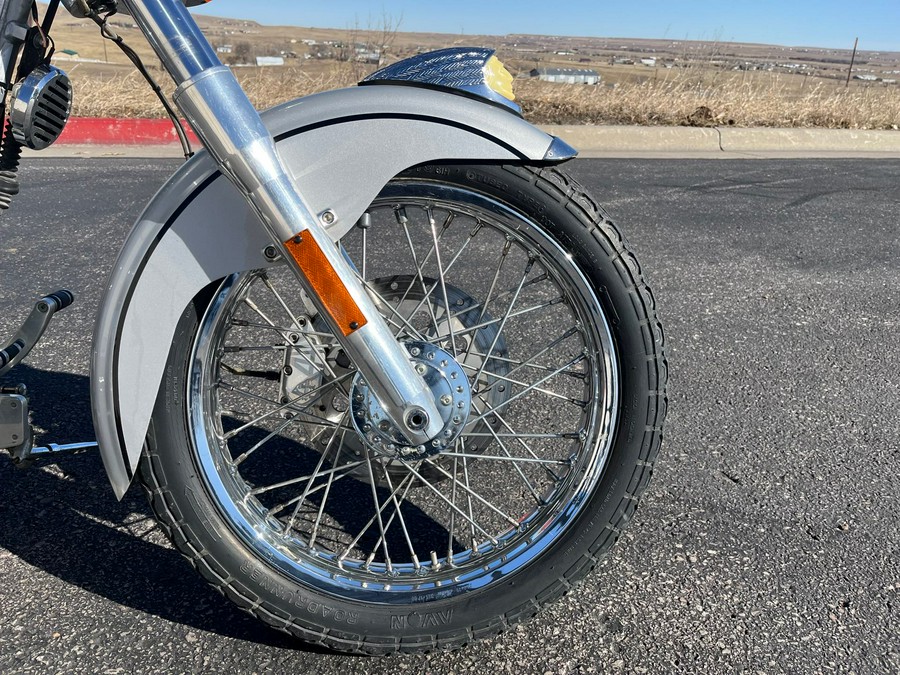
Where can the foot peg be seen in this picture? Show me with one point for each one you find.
(33, 328)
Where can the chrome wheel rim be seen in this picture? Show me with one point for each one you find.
(305, 492)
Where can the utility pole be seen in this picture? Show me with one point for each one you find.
(852, 61)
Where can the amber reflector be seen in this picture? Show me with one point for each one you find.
(325, 283)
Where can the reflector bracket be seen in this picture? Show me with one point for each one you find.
(326, 283)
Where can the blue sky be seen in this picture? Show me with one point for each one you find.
(824, 23)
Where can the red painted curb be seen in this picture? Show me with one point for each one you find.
(111, 131)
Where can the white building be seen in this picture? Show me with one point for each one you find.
(567, 75)
(269, 61)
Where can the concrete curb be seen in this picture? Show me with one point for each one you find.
(113, 131)
(103, 137)
(727, 142)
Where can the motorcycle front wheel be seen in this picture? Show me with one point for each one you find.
(509, 286)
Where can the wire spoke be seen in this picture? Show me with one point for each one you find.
(431, 290)
(501, 296)
(399, 514)
(268, 284)
(526, 460)
(519, 437)
(443, 281)
(453, 506)
(419, 274)
(285, 406)
(528, 390)
(509, 310)
(294, 481)
(317, 470)
(334, 473)
(553, 394)
(290, 406)
(516, 466)
(280, 428)
(493, 322)
(406, 324)
(474, 494)
(375, 517)
(381, 528)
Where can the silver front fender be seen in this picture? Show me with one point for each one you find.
(342, 148)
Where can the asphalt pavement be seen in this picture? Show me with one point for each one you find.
(767, 542)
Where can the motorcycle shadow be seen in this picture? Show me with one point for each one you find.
(64, 520)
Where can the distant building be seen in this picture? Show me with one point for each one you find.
(269, 61)
(650, 63)
(225, 49)
(567, 75)
(364, 55)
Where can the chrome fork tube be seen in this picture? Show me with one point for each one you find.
(231, 129)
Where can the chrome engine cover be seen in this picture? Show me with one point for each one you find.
(41, 106)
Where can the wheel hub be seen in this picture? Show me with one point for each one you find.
(450, 388)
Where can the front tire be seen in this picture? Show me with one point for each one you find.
(262, 483)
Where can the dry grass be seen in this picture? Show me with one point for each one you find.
(130, 96)
(727, 102)
(674, 100)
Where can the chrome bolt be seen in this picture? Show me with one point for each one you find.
(270, 253)
(294, 338)
(457, 419)
(415, 351)
(367, 427)
(430, 356)
(446, 399)
(436, 443)
(454, 375)
(445, 363)
(461, 405)
(448, 433)
(328, 217)
(420, 369)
